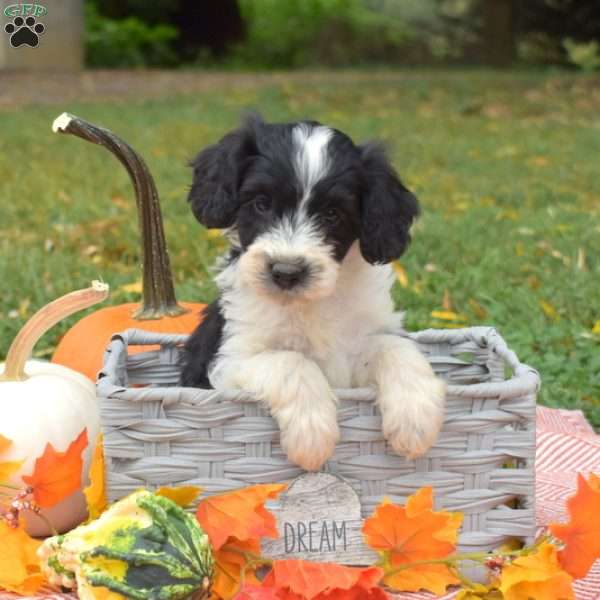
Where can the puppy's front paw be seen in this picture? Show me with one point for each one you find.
(413, 414)
(309, 439)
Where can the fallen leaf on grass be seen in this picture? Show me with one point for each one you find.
(549, 310)
(132, 288)
(447, 301)
(581, 534)
(537, 575)
(401, 275)
(520, 249)
(596, 327)
(479, 311)
(411, 533)
(539, 161)
(56, 475)
(447, 315)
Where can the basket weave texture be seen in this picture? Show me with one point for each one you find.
(157, 434)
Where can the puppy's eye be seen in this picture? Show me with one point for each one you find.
(331, 215)
(262, 204)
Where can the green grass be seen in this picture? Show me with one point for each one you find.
(506, 167)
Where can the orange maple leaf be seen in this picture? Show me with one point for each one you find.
(581, 534)
(20, 570)
(257, 592)
(537, 575)
(414, 533)
(95, 493)
(304, 580)
(239, 514)
(56, 475)
(229, 562)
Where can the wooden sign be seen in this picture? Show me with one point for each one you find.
(319, 519)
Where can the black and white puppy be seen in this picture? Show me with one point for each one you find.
(304, 301)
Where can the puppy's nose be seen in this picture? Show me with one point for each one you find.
(288, 275)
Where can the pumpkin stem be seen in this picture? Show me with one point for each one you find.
(158, 289)
(42, 321)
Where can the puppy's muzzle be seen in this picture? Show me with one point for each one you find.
(288, 275)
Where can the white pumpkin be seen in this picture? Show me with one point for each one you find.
(46, 403)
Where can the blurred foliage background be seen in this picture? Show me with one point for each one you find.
(504, 161)
(277, 34)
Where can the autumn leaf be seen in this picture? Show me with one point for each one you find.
(479, 592)
(95, 493)
(549, 310)
(240, 514)
(183, 495)
(596, 327)
(229, 562)
(539, 161)
(20, 570)
(581, 534)
(132, 288)
(56, 475)
(8, 468)
(235, 522)
(537, 575)
(520, 249)
(447, 315)
(304, 580)
(594, 482)
(401, 275)
(257, 592)
(412, 533)
(480, 311)
(447, 301)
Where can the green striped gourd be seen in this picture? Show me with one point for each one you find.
(142, 547)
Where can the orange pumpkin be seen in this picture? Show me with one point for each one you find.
(82, 347)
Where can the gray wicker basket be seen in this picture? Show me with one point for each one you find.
(156, 433)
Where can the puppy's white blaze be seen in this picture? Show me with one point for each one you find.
(296, 235)
(311, 161)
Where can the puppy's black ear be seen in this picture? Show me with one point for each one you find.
(218, 171)
(387, 209)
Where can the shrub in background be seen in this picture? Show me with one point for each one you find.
(585, 55)
(307, 32)
(128, 42)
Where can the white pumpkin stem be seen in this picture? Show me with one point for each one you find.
(45, 318)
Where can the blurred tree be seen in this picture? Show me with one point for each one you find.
(499, 31)
(211, 24)
(560, 19)
(205, 27)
